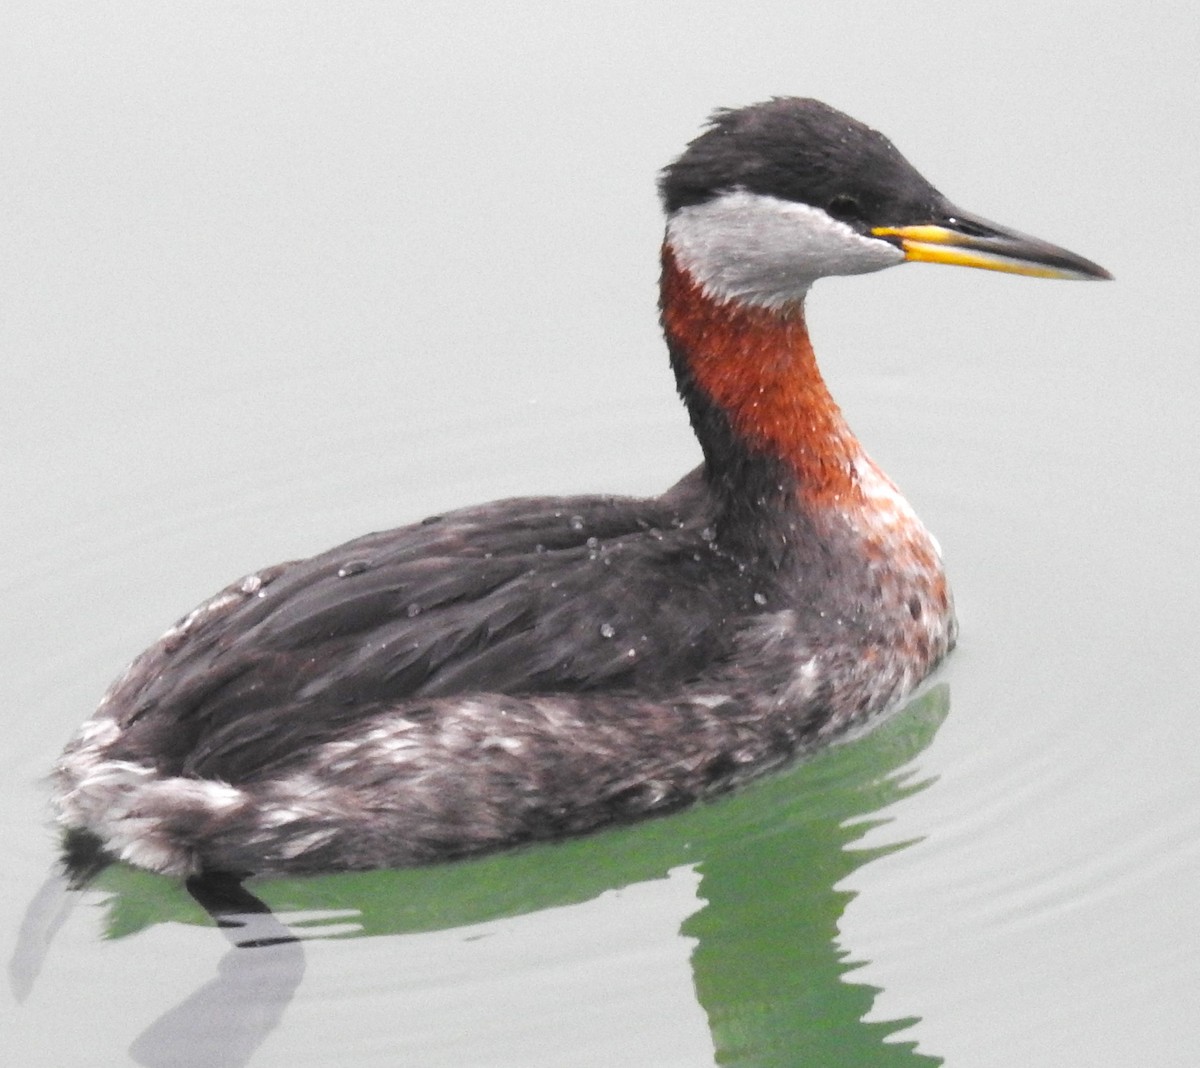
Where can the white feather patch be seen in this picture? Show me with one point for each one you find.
(766, 251)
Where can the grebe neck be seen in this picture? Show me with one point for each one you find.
(765, 419)
(791, 484)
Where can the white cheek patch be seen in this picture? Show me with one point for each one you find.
(765, 251)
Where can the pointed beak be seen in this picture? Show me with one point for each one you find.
(964, 240)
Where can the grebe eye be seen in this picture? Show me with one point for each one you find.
(845, 208)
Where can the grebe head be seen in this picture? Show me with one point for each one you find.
(773, 196)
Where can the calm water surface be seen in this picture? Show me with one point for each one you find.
(272, 279)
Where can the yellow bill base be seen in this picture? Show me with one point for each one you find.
(922, 252)
(1008, 252)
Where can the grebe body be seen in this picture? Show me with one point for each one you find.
(541, 667)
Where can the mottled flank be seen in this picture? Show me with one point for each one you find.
(574, 663)
(543, 667)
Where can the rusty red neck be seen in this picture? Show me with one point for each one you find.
(753, 390)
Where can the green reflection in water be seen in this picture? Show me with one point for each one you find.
(768, 968)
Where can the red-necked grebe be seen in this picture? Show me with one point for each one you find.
(541, 667)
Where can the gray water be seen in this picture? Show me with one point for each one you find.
(272, 276)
